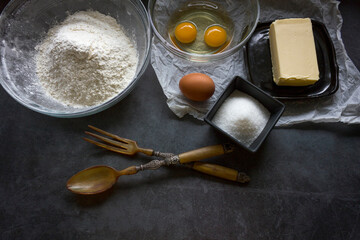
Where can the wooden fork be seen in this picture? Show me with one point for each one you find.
(119, 144)
(130, 147)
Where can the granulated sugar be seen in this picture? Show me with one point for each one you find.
(242, 116)
(86, 60)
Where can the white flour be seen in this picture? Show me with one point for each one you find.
(86, 60)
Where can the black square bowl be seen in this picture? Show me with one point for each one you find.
(275, 107)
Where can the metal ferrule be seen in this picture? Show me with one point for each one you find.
(154, 164)
(172, 160)
(163, 155)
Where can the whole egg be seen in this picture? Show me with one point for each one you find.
(197, 86)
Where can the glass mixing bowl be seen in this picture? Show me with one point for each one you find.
(243, 13)
(24, 23)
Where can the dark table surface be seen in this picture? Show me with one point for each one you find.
(305, 179)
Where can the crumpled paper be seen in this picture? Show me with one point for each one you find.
(343, 106)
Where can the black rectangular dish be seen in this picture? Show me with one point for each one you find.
(258, 61)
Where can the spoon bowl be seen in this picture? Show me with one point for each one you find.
(97, 179)
(93, 180)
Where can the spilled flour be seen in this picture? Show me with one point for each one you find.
(86, 60)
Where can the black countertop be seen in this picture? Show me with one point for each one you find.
(305, 179)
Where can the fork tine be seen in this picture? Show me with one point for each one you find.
(108, 147)
(110, 134)
(107, 140)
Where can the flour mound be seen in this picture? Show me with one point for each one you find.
(86, 60)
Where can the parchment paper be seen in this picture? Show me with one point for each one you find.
(343, 106)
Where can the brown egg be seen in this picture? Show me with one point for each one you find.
(197, 86)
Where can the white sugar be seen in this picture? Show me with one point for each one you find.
(242, 116)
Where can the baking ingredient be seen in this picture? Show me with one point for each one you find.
(197, 86)
(86, 60)
(203, 15)
(293, 52)
(215, 36)
(185, 32)
(242, 116)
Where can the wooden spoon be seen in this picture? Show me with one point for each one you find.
(98, 179)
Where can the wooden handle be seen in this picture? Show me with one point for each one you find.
(201, 153)
(146, 151)
(128, 171)
(220, 172)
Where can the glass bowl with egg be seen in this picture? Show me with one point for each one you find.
(203, 31)
(56, 56)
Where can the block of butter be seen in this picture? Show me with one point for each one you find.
(293, 52)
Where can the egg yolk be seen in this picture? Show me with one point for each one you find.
(215, 36)
(185, 32)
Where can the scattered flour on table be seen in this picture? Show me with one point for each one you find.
(86, 60)
(242, 116)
